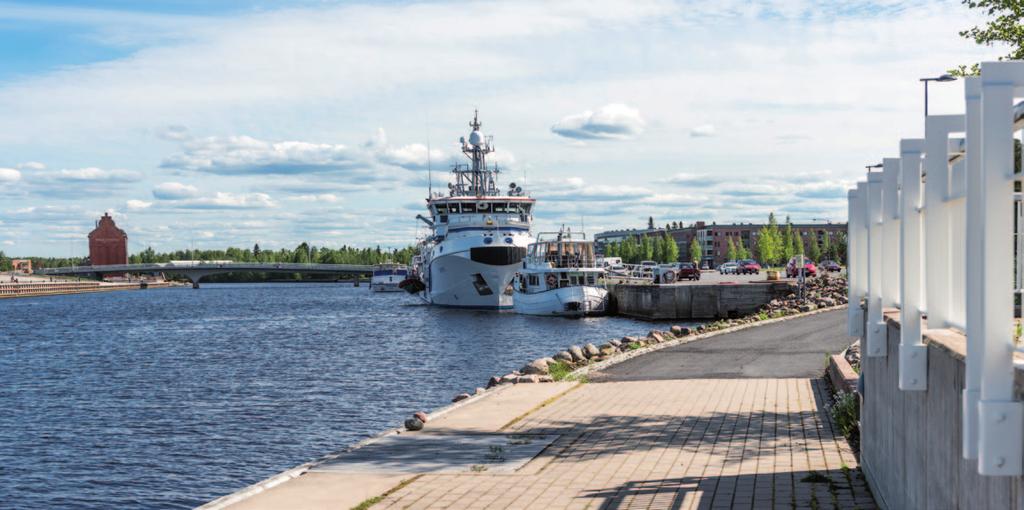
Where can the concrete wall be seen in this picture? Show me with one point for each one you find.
(695, 301)
(911, 442)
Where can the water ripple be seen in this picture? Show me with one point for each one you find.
(169, 398)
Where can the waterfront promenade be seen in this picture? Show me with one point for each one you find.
(721, 438)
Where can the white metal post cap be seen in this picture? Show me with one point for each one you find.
(910, 145)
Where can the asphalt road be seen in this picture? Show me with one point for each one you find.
(791, 348)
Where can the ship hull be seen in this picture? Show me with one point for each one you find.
(457, 281)
(565, 302)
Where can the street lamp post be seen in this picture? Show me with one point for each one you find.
(943, 78)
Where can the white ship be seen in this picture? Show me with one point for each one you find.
(560, 277)
(387, 276)
(478, 235)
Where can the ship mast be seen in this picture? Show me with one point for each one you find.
(475, 179)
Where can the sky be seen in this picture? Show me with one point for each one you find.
(215, 124)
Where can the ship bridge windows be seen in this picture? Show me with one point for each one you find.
(468, 208)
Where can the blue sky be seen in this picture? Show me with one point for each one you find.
(234, 122)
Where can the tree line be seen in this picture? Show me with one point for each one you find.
(301, 254)
(774, 245)
(633, 250)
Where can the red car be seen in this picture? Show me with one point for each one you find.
(748, 266)
(687, 271)
(792, 270)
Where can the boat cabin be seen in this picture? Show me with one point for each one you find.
(457, 212)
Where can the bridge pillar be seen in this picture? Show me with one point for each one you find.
(194, 278)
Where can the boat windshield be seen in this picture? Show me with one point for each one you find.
(563, 254)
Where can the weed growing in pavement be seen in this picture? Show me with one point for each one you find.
(845, 411)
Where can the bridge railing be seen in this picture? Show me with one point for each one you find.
(230, 266)
(939, 234)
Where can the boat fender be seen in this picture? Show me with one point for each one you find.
(668, 276)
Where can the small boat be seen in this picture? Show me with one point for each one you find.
(387, 277)
(560, 277)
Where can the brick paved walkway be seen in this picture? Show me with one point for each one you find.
(698, 443)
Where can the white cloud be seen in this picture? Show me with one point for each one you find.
(93, 174)
(226, 200)
(323, 197)
(137, 205)
(245, 155)
(9, 175)
(174, 191)
(616, 121)
(703, 131)
(32, 165)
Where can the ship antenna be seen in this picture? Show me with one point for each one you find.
(430, 176)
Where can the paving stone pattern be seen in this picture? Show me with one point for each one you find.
(669, 444)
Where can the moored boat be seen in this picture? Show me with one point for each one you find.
(560, 277)
(387, 276)
(478, 235)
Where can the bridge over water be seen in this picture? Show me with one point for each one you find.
(197, 271)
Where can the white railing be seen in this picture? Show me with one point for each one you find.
(939, 234)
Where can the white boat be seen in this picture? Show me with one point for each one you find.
(478, 235)
(560, 277)
(387, 276)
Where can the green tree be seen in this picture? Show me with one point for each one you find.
(769, 242)
(256, 251)
(826, 246)
(696, 254)
(628, 250)
(671, 249)
(656, 249)
(646, 248)
(650, 222)
(741, 250)
(611, 249)
(5, 263)
(730, 249)
(1005, 26)
(813, 249)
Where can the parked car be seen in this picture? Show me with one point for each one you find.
(793, 270)
(830, 266)
(748, 266)
(688, 271)
(728, 268)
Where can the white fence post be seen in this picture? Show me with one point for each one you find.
(876, 330)
(913, 368)
(973, 268)
(1001, 419)
(890, 232)
(938, 269)
(856, 267)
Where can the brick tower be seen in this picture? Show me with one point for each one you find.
(107, 243)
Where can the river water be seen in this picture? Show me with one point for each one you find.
(168, 398)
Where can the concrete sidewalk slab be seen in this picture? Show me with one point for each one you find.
(329, 484)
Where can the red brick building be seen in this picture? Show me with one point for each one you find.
(107, 243)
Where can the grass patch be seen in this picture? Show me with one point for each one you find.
(633, 346)
(559, 370)
(367, 503)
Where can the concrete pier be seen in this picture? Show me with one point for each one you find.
(697, 301)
